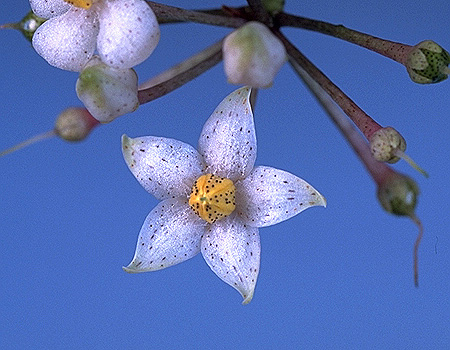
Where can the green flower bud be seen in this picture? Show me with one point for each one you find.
(427, 63)
(398, 195)
(29, 24)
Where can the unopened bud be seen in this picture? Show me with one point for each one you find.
(385, 142)
(74, 124)
(387, 145)
(107, 92)
(253, 55)
(398, 195)
(428, 63)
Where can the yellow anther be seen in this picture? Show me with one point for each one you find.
(84, 4)
(212, 197)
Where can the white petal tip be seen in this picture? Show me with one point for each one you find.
(131, 268)
(247, 299)
(125, 140)
(322, 201)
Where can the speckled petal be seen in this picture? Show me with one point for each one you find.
(228, 140)
(129, 32)
(232, 250)
(67, 41)
(49, 8)
(171, 234)
(268, 196)
(166, 168)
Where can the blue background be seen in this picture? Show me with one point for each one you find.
(332, 278)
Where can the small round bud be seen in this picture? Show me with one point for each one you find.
(29, 24)
(428, 63)
(398, 195)
(107, 92)
(75, 124)
(385, 143)
(253, 55)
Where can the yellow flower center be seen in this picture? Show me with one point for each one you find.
(212, 197)
(84, 4)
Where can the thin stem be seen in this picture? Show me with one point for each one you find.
(10, 26)
(28, 142)
(182, 67)
(416, 249)
(363, 121)
(167, 14)
(213, 56)
(379, 171)
(391, 49)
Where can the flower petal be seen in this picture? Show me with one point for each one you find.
(228, 140)
(49, 8)
(268, 196)
(232, 250)
(129, 32)
(171, 234)
(166, 168)
(67, 41)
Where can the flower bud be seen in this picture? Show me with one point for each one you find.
(428, 63)
(384, 144)
(398, 195)
(253, 55)
(74, 124)
(107, 92)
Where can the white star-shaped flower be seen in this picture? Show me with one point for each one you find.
(212, 200)
(124, 32)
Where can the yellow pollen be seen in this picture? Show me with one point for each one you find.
(212, 197)
(84, 4)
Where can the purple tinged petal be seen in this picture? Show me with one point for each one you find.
(166, 168)
(67, 41)
(171, 234)
(268, 196)
(228, 140)
(232, 250)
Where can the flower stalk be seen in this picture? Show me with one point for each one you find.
(369, 127)
(170, 14)
(393, 50)
(363, 121)
(396, 192)
(182, 73)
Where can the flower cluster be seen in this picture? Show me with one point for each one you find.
(214, 199)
